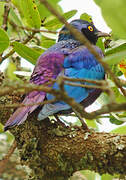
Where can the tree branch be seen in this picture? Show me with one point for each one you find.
(62, 95)
(53, 151)
(5, 16)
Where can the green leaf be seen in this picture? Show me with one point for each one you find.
(1, 12)
(117, 48)
(4, 40)
(10, 71)
(17, 3)
(55, 24)
(120, 130)
(15, 17)
(26, 52)
(90, 174)
(106, 177)
(100, 44)
(115, 70)
(47, 42)
(118, 96)
(45, 13)
(114, 119)
(114, 12)
(115, 57)
(31, 13)
(103, 99)
(91, 123)
(86, 17)
(17, 20)
(1, 128)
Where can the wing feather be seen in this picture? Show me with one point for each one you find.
(48, 66)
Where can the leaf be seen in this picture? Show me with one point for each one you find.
(17, 3)
(103, 99)
(38, 49)
(31, 13)
(115, 57)
(44, 12)
(118, 47)
(14, 17)
(116, 53)
(4, 40)
(17, 20)
(114, 12)
(120, 130)
(89, 174)
(47, 42)
(107, 177)
(26, 52)
(55, 24)
(115, 70)
(114, 119)
(86, 17)
(91, 123)
(100, 44)
(10, 71)
(118, 96)
(1, 12)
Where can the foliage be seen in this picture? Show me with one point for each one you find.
(27, 17)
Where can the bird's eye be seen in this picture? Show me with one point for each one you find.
(90, 28)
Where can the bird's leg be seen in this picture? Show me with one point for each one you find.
(58, 120)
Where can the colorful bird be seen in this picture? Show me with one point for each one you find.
(70, 58)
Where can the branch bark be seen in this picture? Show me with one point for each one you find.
(54, 152)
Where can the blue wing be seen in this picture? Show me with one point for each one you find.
(80, 63)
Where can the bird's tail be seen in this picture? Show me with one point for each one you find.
(20, 115)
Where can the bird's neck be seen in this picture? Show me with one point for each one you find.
(64, 37)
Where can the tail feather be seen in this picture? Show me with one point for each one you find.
(21, 114)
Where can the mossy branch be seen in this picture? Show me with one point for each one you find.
(54, 152)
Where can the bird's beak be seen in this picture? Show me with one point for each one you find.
(102, 34)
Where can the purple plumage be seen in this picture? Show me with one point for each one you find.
(70, 58)
(49, 65)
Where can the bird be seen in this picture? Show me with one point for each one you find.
(70, 58)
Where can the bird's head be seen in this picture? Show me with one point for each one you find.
(86, 28)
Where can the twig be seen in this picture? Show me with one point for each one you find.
(25, 105)
(104, 88)
(24, 42)
(123, 82)
(97, 82)
(4, 161)
(101, 84)
(84, 41)
(112, 107)
(5, 16)
(35, 30)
